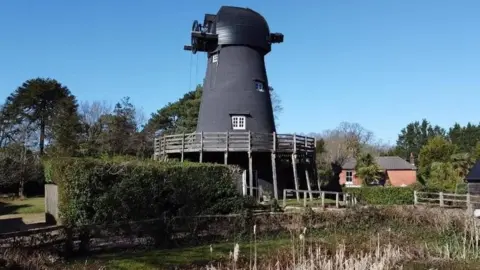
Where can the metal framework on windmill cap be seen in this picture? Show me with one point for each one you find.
(236, 113)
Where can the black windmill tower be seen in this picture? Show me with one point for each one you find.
(236, 122)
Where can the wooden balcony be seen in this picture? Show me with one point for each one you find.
(234, 142)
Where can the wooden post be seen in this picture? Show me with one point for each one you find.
(304, 199)
(295, 175)
(274, 176)
(415, 197)
(201, 147)
(337, 200)
(164, 154)
(323, 199)
(250, 162)
(244, 183)
(294, 143)
(468, 203)
(183, 147)
(225, 157)
(307, 178)
(441, 199)
(284, 198)
(274, 166)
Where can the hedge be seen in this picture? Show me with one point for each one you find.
(98, 191)
(382, 195)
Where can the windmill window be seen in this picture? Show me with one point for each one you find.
(238, 122)
(215, 58)
(259, 86)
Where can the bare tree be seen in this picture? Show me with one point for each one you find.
(91, 112)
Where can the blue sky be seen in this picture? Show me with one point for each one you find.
(380, 63)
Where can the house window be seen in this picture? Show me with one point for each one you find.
(259, 86)
(349, 178)
(238, 122)
(215, 58)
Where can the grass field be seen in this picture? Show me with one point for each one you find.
(32, 205)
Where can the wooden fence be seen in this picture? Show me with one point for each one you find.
(344, 199)
(445, 199)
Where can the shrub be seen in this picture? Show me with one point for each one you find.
(382, 195)
(100, 191)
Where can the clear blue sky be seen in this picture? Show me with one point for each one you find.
(380, 63)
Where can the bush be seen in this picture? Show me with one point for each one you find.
(382, 195)
(95, 191)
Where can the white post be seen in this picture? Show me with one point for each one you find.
(323, 199)
(337, 200)
(441, 199)
(244, 182)
(284, 198)
(415, 197)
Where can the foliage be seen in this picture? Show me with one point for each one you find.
(18, 166)
(44, 104)
(443, 177)
(368, 170)
(105, 191)
(382, 195)
(414, 136)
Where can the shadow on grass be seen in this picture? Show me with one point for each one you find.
(8, 208)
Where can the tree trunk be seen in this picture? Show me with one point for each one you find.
(42, 137)
(20, 189)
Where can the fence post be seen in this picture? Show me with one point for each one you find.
(415, 197)
(284, 198)
(304, 199)
(469, 204)
(337, 200)
(441, 199)
(323, 199)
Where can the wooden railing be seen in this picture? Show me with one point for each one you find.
(234, 142)
(446, 199)
(344, 199)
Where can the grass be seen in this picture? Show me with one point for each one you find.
(200, 255)
(31, 205)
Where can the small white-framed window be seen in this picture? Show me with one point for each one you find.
(349, 177)
(215, 58)
(259, 86)
(238, 122)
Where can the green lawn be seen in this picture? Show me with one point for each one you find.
(26, 206)
(160, 259)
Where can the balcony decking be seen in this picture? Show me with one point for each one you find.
(234, 142)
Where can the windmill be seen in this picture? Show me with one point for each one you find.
(236, 122)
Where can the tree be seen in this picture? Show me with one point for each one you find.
(436, 150)
(38, 101)
(335, 147)
(414, 136)
(368, 170)
(465, 137)
(443, 177)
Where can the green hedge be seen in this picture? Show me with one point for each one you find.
(99, 191)
(382, 195)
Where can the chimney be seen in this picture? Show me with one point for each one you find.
(412, 159)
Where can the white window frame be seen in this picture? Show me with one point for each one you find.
(259, 86)
(347, 176)
(239, 122)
